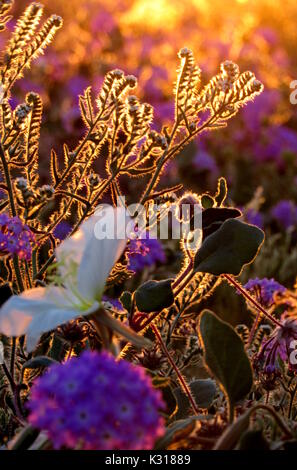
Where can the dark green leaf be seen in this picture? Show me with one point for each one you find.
(231, 435)
(219, 214)
(154, 295)
(126, 300)
(229, 248)
(213, 218)
(210, 229)
(225, 357)
(203, 391)
(164, 385)
(5, 292)
(207, 201)
(253, 440)
(178, 430)
(39, 361)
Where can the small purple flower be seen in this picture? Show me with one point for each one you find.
(116, 304)
(144, 252)
(264, 290)
(62, 230)
(15, 237)
(94, 402)
(285, 212)
(254, 217)
(203, 161)
(279, 346)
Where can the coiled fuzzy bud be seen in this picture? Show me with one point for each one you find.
(131, 80)
(21, 113)
(187, 206)
(230, 69)
(21, 183)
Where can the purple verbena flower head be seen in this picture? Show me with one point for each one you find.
(94, 402)
(285, 212)
(15, 237)
(264, 290)
(280, 346)
(144, 252)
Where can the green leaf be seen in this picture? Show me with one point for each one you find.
(213, 218)
(229, 249)
(178, 430)
(203, 392)
(154, 295)
(231, 435)
(164, 385)
(39, 361)
(126, 300)
(225, 357)
(219, 214)
(253, 440)
(207, 201)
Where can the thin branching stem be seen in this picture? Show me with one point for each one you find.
(251, 299)
(181, 379)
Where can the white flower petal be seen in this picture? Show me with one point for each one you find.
(71, 249)
(37, 311)
(100, 255)
(16, 314)
(54, 317)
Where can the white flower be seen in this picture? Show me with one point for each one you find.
(1, 353)
(1, 93)
(84, 263)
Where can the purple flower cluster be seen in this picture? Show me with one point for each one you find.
(94, 402)
(280, 346)
(285, 212)
(264, 290)
(15, 237)
(143, 253)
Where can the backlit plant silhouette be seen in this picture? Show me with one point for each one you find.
(148, 323)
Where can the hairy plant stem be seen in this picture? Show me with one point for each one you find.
(182, 275)
(8, 181)
(292, 397)
(181, 379)
(254, 327)
(251, 299)
(13, 212)
(168, 153)
(15, 391)
(18, 275)
(49, 261)
(184, 283)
